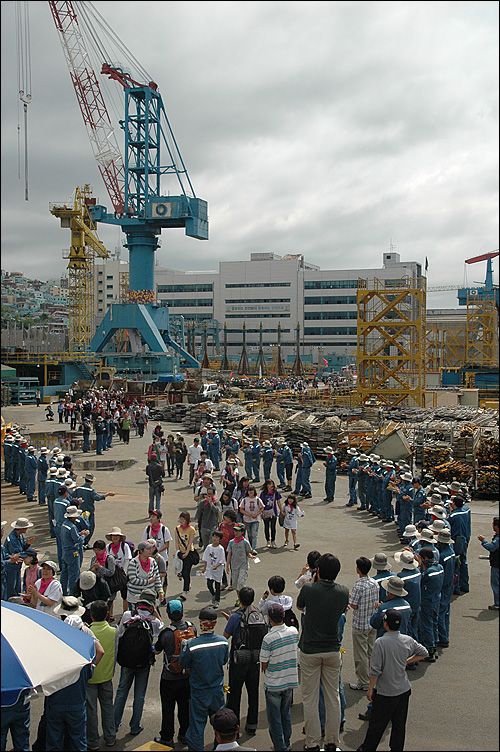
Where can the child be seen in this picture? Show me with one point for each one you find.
(308, 572)
(227, 502)
(291, 511)
(276, 585)
(214, 558)
(251, 507)
(239, 552)
(270, 498)
(227, 529)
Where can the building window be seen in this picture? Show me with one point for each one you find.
(326, 315)
(109, 276)
(188, 302)
(255, 301)
(109, 287)
(331, 300)
(185, 288)
(328, 330)
(257, 315)
(259, 284)
(336, 284)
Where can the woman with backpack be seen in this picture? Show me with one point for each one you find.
(103, 565)
(159, 532)
(270, 498)
(122, 554)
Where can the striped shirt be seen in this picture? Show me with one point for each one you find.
(138, 579)
(279, 651)
(365, 594)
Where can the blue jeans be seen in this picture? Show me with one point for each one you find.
(99, 443)
(154, 498)
(128, 676)
(86, 442)
(252, 531)
(202, 704)
(103, 693)
(70, 572)
(495, 584)
(68, 725)
(16, 719)
(278, 706)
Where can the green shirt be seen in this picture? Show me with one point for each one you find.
(324, 603)
(107, 637)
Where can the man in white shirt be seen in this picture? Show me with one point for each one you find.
(193, 457)
(209, 465)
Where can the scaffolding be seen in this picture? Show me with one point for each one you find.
(391, 341)
(445, 345)
(482, 344)
(85, 246)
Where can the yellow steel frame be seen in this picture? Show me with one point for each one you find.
(445, 346)
(482, 346)
(85, 246)
(391, 341)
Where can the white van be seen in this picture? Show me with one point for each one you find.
(210, 391)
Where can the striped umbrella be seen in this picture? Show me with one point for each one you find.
(39, 650)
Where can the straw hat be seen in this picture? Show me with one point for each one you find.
(115, 531)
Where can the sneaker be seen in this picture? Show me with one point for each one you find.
(215, 604)
(183, 596)
(364, 716)
(308, 496)
(250, 731)
(285, 543)
(167, 742)
(430, 659)
(273, 545)
(493, 608)
(111, 744)
(356, 685)
(411, 667)
(331, 747)
(443, 644)
(253, 552)
(134, 733)
(182, 740)
(297, 545)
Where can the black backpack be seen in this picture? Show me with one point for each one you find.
(134, 646)
(253, 629)
(291, 620)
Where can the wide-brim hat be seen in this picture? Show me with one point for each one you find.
(69, 606)
(53, 470)
(89, 477)
(328, 450)
(407, 476)
(55, 450)
(71, 512)
(9, 438)
(437, 526)
(231, 462)
(31, 449)
(266, 443)
(436, 499)
(426, 535)
(61, 473)
(410, 531)
(444, 490)
(21, 523)
(87, 580)
(363, 458)
(389, 463)
(380, 561)
(4, 522)
(438, 511)
(70, 484)
(407, 559)
(395, 586)
(305, 444)
(352, 451)
(147, 596)
(48, 563)
(455, 486)
(444, 536)
(44, 450)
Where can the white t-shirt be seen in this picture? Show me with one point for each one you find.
(54, 592)
(291, 515)
(214, 555)
(163, 537)
(194, 454)
(209, 465)
(123, 556)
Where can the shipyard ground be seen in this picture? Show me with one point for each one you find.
(454, 702)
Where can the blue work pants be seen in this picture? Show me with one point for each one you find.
(256, 469)
(31, 486)
(362, 495)
(202, 704)
(41, 490)
(68, 726)
(306, 480)
(70, 572)
(50, 512)
(444, 614)
(353, 499)
(16, 719)
(86, 442)
(278, 706)
(427, 628)
(330, 481)
(267, 470)
(248, 467)
(298, 480)
(495, 585)
(280, 469)
(99, 443)
(139, 678)
(13, 573)
(462, 583)
(405, 515)
(57, 530)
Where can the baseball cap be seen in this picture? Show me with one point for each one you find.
(224, 721)
(276, 611)
(207, 614)
(392, 618)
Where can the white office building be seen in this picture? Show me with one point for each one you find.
(270, 290)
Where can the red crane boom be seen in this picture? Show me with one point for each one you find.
(483, 257)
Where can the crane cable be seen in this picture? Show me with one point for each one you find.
(24, 82)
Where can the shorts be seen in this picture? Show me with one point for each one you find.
(239, 577)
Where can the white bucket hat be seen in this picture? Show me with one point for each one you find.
(395, 586)
(410, 531)
(21, 523)
(407, 559)
(426, 535)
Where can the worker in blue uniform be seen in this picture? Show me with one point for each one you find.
(100, 433)
(23, 451)
(232, 445)
(430, 588)
(363, 482)
(373, 476)
(16, 543)
(352, 472)
(395, 598)
(493, 551)
(460, 523)
(267, 455)
(51, 485)
(214, 448)
(427, 539)
(205, 656)
(308, 460)
(380, 562)
(86, 435)
(89, 496)
(420, 504)
(71, 546)
(30, 471)
(204, 439)
(43, 470)
(7, 455)
(16, 453)
(447, 557)
(387, 480)
(405, 501)
(410, 575)
(61, 504)
(330, 475)
(247, 456)
(255, 453)
(279, 451)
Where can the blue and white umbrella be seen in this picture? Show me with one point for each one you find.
(39, 650)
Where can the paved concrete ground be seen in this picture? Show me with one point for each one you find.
(454, 703)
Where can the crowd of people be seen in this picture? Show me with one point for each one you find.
(400, 612)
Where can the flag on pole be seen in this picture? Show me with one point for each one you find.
(426, 263)
(231, 375)
(325, 362)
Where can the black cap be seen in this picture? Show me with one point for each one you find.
(208, 614)
(224, 721)
(392, 618)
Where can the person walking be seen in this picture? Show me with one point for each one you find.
(493, 550)
(278, 660)
(251, 507)
(291, 512)
(155, 473)
(143, 574)
(390, 688)
(185, 550)
(270, 497)
(174, 681)
(193, 455)
(323, 603)
(205, 656)
(363, 601)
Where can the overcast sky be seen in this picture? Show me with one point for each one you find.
(322, 128)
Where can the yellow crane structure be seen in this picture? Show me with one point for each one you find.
(85, 246)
